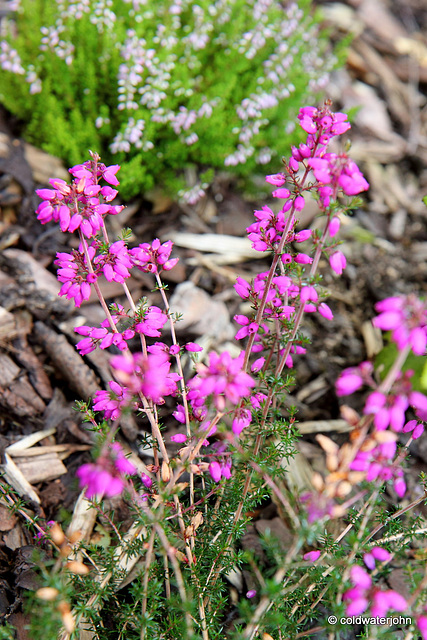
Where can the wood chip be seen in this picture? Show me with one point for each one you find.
(41, 468)
(17, 480)
(373, 339)
(29, 441)
(44, 166)
(202, 314)
(60, 449)
(16, 392)
(83, 519)
(36, 373)
(7, 325)
(235, 248)
(7, 519)
(67, 360)
(323, 426)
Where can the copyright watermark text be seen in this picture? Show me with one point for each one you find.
(353, 620)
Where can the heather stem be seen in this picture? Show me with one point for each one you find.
(96, 285)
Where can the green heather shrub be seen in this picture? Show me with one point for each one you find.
(207, 84)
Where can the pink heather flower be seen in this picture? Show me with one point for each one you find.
(357, 604)
(277, 179)
(281, 193)
(286, 258)
(334, 226)
(416, 428)
(406, 318)
(324, 121)
(252, 593)
(223, 379)
(302, 236)
(215, 471)
(294, 349)
(74, 275)
(257, 399)
(317, 506)
(179, 438)
(311, 556)
(115, 264)
(299, 203)
(42, 535)
(351, 179)
(247, 328)
(376, 553)
(325, 311)
(338, 262)
(153, 258)
(303, 258)
(242, 288)
(121, 463)
(109, 174)
(105, 477)
(77, 205)
(359, 577)
(422, 626)
(390, 410)
(151, 322)
(353, 378)
(257, 365)
(102, 337)
(242, 421)
(267, 231)
(99, 482)
(338, 171)
(146, 481)
(308, 293)
(112, 402)
(193, 347)
(179, 414)
(148, 375)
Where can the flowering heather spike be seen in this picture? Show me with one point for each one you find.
(223, 379)
(79, 205)
(148, 375)
(154, 257)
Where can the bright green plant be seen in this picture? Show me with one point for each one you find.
(208, 84)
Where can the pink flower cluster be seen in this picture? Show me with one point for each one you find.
(154, 257)
(107, 475)
(83, 204)
(406, 318)
(112, 402)
(147, 375)
(149, 322)
(223, 379)
(364, 595)
(379, 463)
